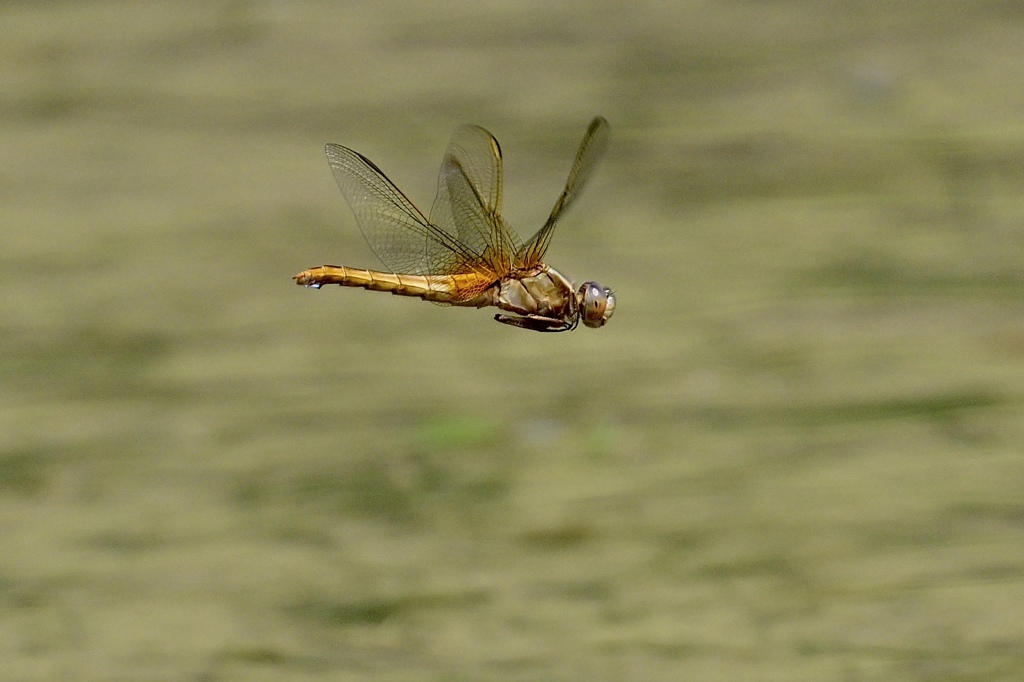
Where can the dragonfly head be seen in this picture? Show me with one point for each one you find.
(597, 304)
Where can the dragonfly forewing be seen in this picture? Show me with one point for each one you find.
(592, 148)
(469, 198)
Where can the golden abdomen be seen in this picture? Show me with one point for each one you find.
(450, 289)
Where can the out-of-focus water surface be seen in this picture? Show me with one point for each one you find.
(795, 453)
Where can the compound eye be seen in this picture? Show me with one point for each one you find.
(598, 304)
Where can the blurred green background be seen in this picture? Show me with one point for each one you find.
(795, 453)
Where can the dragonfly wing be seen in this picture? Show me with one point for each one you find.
(594, 143)
(469, 199)
(396, 231)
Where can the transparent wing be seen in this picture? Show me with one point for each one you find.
(469, 198)
(396, 231)
(594, 143)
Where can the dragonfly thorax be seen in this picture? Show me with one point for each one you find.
(547, 301)
(542, 292)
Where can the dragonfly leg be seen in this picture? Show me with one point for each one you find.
(535, 322)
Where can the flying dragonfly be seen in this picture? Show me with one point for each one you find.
(466, 253)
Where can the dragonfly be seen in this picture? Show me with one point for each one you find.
(466, 253)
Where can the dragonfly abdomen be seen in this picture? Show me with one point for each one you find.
(437, 288)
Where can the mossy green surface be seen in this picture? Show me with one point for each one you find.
(796, 452)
